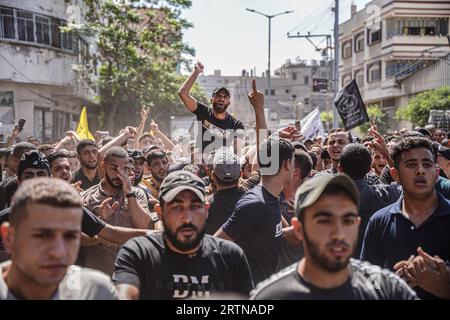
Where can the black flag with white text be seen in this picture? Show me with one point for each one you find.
(350, 106)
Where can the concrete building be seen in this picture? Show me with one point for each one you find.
(296, 89)
(395, 50)
(36, 78)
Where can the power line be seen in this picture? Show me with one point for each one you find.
(318, 11)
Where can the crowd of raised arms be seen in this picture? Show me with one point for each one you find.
(143, 216)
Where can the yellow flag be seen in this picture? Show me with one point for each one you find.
(83, 127)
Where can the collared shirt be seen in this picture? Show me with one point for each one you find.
(373, 198)
(151, 187)
(102, 257)
(85, 182)
(391, 237)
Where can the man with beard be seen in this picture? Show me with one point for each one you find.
(138, 161)
(336, 142)
(158, 165)
(128, 206)
(87, 173)
(420, 218)
(327, 222)
(181, 262)
(216, 122)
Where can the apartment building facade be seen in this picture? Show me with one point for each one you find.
(395, 50)
(37, 82)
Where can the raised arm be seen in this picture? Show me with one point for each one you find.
(168, 144)
(256, 99)
(141, 127)
(188, 100)
(128, 133)
(13, 137)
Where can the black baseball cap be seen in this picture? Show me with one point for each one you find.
(311, 190)
(178, 181)
(135, 154)
(33, 159)
(217, 90)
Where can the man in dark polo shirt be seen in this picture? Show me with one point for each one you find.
(420, 218)
(217, 124)
(88, 172)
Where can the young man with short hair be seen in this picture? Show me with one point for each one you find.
(43, 238)
(326, 220)
(88, 172)
(420, 218)
(158, 165)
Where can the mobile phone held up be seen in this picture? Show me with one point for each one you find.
(21, 124)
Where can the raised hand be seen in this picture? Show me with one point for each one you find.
(126, 182)
(144, 112)
(199, 67)
(106, 209)
(256, 97)
(379, 144)
(154, 127)
(77, 186)
(290, 133)
(131, 132)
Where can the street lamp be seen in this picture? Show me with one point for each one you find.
(270, 30)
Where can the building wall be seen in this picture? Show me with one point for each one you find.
(45, 90)
(409, 63)
(293, 97)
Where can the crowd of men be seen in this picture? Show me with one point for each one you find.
(142, 216)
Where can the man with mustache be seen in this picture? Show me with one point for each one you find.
(327, 220)
(87, 173)
(128, 206)
(216, 122)
(181, 262)
(420, 218)
(43, 237)
(336, 142)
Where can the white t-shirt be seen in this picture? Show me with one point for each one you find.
(78, 284)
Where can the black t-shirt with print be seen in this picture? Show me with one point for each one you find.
(218, 268)
(213, 128)
(366, 282)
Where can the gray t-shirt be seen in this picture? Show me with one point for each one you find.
(78, 284)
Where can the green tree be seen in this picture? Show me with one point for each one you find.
(327, 119)
(375, 113)
(138, 48)
(418, 109)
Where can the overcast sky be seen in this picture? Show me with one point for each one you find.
(227, 37)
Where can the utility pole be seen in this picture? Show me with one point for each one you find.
(269, 17)
(328, 51)
(336, 60)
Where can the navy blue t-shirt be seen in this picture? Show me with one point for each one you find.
(255, 225)
(390, 237)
